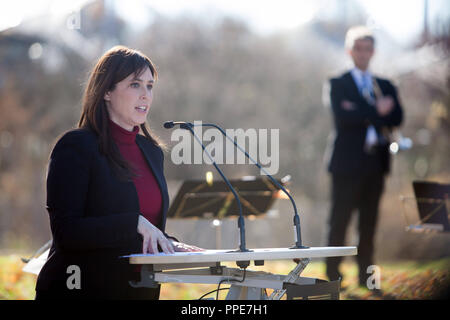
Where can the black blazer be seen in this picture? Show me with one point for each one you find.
(351, 126)
(94, 218)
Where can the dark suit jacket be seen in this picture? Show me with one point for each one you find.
(94, 218)
(351, 126)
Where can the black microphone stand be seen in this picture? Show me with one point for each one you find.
(297, 231)
(241, 223)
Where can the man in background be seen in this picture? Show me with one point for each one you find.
(365, 109)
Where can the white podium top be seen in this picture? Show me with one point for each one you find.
(230, 255)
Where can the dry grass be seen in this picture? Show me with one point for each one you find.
(399, 280)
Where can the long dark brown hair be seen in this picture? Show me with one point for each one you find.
(114, 66)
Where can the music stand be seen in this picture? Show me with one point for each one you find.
(431, 198)
(197, 198)
(200, 199)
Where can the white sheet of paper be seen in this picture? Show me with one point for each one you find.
(35, 265)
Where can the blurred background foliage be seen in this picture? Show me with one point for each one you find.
(220, 70)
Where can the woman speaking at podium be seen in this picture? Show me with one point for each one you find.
(106, 191)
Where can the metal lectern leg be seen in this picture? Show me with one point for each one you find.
(245, 293)
(290, 278)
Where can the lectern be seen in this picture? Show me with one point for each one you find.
(206, 267)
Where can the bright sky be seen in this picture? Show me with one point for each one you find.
(402, 18)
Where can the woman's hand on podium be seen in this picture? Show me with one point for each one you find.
(152, 237)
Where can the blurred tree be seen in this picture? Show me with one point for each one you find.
(219, 71)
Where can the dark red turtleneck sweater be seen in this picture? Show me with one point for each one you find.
(149, 194)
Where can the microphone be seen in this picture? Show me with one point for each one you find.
(241, 221)
(169, 124)
(297, 231)
(183, 125)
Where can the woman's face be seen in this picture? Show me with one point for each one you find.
(128, 104)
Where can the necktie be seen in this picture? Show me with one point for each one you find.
(366, 89)
(367, 93)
